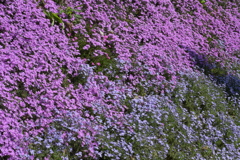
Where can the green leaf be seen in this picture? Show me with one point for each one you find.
(55, 17)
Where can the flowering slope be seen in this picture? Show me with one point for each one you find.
(103, 79)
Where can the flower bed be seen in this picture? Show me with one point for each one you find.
(101, 79)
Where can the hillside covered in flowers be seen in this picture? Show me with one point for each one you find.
(119, 79)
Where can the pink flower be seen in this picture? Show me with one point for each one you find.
(105, 38)
(86, 47)
(81, 134)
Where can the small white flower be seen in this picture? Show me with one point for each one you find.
(101, 33)
(79, 154)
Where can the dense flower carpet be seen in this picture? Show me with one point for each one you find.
(119, 79)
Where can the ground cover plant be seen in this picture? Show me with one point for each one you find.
(104, 79)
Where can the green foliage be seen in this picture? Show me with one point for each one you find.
(176, 140)
(53, 151)
(105, 62)
(220, 144)
(70, 12)
(21, 91)
(200, 96)
(237, 143)
(54, 18)
(60, 2)
(202, 1)
(126, 102)
(218, 72)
